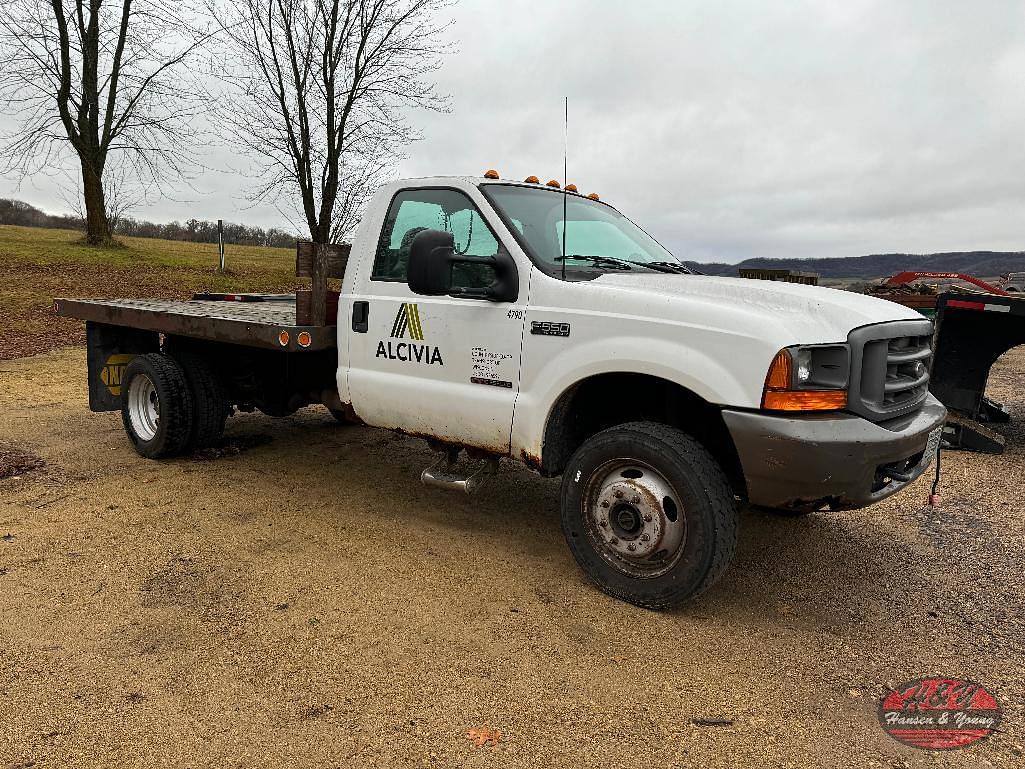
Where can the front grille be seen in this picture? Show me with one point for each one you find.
(890, 368)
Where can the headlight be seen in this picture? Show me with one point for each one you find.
(812, 378)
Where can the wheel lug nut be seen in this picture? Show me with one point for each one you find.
(636, 499)
(631, 546)
(614, 541)
(605, 503)
(618, 494)
(645, 537)
(603, 523)
(647, 517)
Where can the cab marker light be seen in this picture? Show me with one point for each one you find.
(491, 173)
(593, 196)
(283, 338)
(779, 394)
(304, 339)
(553, 183)
(571, 188)
(532, 180)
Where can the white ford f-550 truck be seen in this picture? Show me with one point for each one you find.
(514, 319)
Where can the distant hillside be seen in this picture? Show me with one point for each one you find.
(881, 265)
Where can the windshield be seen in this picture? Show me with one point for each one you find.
(598, 237)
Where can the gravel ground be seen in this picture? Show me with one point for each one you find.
(300, 600)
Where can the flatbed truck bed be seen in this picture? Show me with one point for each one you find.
(263, 357)
(264, 321)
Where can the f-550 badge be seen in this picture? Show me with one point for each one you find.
(548, 328)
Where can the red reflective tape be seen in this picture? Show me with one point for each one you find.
(963, 305)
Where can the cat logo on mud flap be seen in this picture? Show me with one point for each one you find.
(113, 372)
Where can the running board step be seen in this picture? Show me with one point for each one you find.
(445, 475)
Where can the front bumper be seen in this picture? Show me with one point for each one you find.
(842, 460)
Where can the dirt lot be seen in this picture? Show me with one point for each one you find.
(303, 601)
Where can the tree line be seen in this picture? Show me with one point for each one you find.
(117, 97)
(192, 231)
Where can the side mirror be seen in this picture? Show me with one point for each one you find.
(429, 273)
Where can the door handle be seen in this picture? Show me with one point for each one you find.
(360, 317)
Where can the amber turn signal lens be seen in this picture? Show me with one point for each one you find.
(304, 339)
(283, 338)
(778, 377)
(805, 400)
(532, 180)
(571, 188)
(553, 183)
(593, 196)
(491, 174)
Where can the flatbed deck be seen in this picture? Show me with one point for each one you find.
(268, 322)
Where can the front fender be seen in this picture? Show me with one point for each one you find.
(547, 376)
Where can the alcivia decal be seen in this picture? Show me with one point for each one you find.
(407, 319)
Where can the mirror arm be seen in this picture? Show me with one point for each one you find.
(472, 293)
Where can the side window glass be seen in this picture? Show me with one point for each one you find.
(414, 211)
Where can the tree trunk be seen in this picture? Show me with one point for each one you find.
(97, 227)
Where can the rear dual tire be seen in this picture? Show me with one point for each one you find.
(171, 405)
(156, 406)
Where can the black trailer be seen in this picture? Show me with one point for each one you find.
(972, 332)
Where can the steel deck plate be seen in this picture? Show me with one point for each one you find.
(255, 324)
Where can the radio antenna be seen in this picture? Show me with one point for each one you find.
(565, 180)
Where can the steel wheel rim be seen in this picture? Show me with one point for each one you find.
(635, 518)
(143, 407)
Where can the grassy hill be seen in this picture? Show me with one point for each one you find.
(37, 265)
(978, 263)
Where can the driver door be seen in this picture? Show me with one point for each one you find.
(437, 365)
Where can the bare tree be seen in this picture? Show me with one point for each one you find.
(321, 91)
(101, 77)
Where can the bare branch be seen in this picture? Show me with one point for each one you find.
(97, 84)
(319, 96)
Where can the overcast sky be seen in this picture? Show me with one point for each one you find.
(728, 129)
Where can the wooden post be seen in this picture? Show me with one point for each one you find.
(319, 261)
(220, 242)
(318, 309)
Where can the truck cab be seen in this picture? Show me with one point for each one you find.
(515, 319)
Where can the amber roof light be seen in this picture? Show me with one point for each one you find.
(593, 196)
(553, 183)
(532, 180)
(571, 188)
(491, 173)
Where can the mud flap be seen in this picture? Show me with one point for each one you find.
(109, 349)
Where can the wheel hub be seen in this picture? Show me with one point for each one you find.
(143, 407)
(635, 517)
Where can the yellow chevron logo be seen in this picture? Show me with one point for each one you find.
(408, 319)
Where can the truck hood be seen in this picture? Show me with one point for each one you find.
(809, 313)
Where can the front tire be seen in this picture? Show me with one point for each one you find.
(648, 514)
(156, 406)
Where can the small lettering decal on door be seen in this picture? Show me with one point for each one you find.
(486, 364)
(548, 328)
